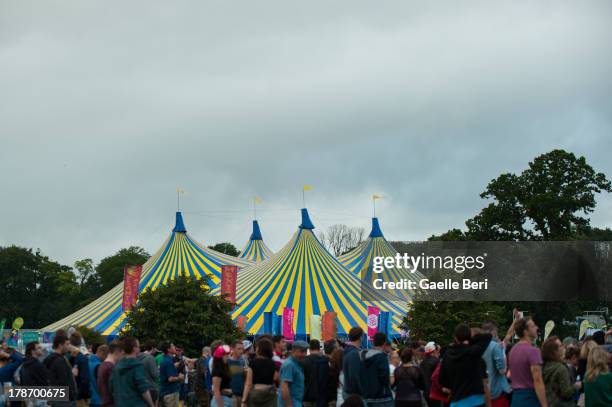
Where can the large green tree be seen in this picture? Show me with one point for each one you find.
(183, 312)
(110, 269)
(34, 287)
(548, 201)
(225, 248)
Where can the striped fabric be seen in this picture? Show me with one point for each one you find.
(305, 276)
(255, 249)
(359, 261)
(179, 256)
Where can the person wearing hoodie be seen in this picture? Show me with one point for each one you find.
(33, 373)
(60, 370)
(151, 372)
(352, 366)
(463, 370)
(105, 371)
(128, 382)
(376, 384)
(559, 387)
(80, 365)
(100, 352)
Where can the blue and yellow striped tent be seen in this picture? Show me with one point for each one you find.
(305, 276)
(179, 256)
(255, 249)
(360, 259)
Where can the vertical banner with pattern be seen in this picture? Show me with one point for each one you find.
(229, 275)
(268, 323)
(329, 326)
(315, 327)
(131, 279)
(373, 313)
(288, 315)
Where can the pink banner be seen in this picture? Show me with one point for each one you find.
(229, 275)
(288, 315)
(373, 314)
(131, 279)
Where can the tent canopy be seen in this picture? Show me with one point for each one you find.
(255, 249)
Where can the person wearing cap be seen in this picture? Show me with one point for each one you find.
(431, 358)
(221, 377)
(292, 377)
(249, 351)
(169, 377)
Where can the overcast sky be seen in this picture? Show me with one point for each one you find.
(105, 111)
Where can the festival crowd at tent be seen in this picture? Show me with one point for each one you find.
(478, 369)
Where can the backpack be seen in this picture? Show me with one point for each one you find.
(435, 392)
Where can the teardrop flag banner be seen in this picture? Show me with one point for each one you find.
(584, 325)
(550, 325)
(17, 323)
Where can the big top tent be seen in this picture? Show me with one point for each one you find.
(180, 255)
(303, 275)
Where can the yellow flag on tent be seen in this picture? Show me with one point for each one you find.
(550, 325)
(180, 190)
(257, 200)
(584, 325)
(307, 187)
(315, 327)
(376, 196)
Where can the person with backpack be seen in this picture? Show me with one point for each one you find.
(151, 371)
(95, 360)
(431, 360)
(202, 378)
(316, 376)
(376, 384)
(60, 370)
(80, 364)
(33, 373)
(352, 366)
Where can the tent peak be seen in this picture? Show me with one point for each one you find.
(376, 232)
(306, 223)
(179, 226)
(256, 235)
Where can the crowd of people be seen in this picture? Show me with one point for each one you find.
(478, 369)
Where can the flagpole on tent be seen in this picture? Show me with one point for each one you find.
(178, 200)
(254, 208)
(374, 206)
(303, 197)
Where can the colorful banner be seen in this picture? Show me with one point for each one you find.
(28, 336)
(131, 280)
(288, 315)
(384, 322)
(241, 322)
(2, 323)
(229, 276)
(373, 313)
(268, 323)
(277, 324)
(550, 325)
(329, 326)
(315, 327)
